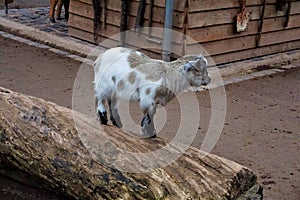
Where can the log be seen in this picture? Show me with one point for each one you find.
(41, 139)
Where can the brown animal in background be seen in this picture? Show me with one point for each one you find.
(6, 2)
(59, 4)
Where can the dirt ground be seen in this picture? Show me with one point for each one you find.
(261, 129)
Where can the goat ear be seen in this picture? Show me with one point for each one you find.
(188, 67)
(201, 61)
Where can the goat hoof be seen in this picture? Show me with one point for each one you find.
(103, 117)
(149, 132)
(146, 120)
(153, 136)
(116, 123)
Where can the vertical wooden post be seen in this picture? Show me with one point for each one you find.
(261, 23)
(97, 18)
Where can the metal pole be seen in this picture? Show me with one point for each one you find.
(168, 30)
(123, 22)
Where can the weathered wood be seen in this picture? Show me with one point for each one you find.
(217, 17)
(159, 3)
(254, 52)
(211, 24)
(249, 41)
(226, 31)
(41, 139)
(85, 10)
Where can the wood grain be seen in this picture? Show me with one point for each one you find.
(41, 139)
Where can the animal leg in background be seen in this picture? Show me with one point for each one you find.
(114, 114)
(66, 6)
(59, 4)
(6, 2)
(58, 9)
(52, 10)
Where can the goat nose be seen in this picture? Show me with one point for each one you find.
(206, 81)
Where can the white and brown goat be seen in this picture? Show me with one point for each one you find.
(122, 73)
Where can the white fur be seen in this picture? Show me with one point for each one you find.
(153, 79)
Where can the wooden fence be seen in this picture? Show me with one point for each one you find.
(211, 23)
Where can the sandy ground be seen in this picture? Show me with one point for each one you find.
(261, 129)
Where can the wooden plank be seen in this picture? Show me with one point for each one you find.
(205, 5)
(82, 9)
(229, 45)
(133, 39)
(212, 26)
(248, 42)
(226, 31)
(112, 25)
(80, 34)
(198, 19)
(87, 25)
(277, 23)
(251, 53)
(217, 17)
(195, 5)
(89, 37)
(113, 11)
(219, 59)
(280, 36)
(178, 4)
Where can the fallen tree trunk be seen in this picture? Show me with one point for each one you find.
(41, 139)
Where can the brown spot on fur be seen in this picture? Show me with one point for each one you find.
(135, 59)
(121, 85)
(131, 77)
(148, 90)
(163, 95)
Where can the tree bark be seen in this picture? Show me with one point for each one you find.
(41, 139)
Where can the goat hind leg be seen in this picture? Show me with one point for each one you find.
(148, 123)
(114, 114)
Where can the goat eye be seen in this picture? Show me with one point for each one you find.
(196, 72)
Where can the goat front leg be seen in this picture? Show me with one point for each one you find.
(148, 123)
(114, 114)
(102, 114)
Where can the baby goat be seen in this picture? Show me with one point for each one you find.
(122, 73)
